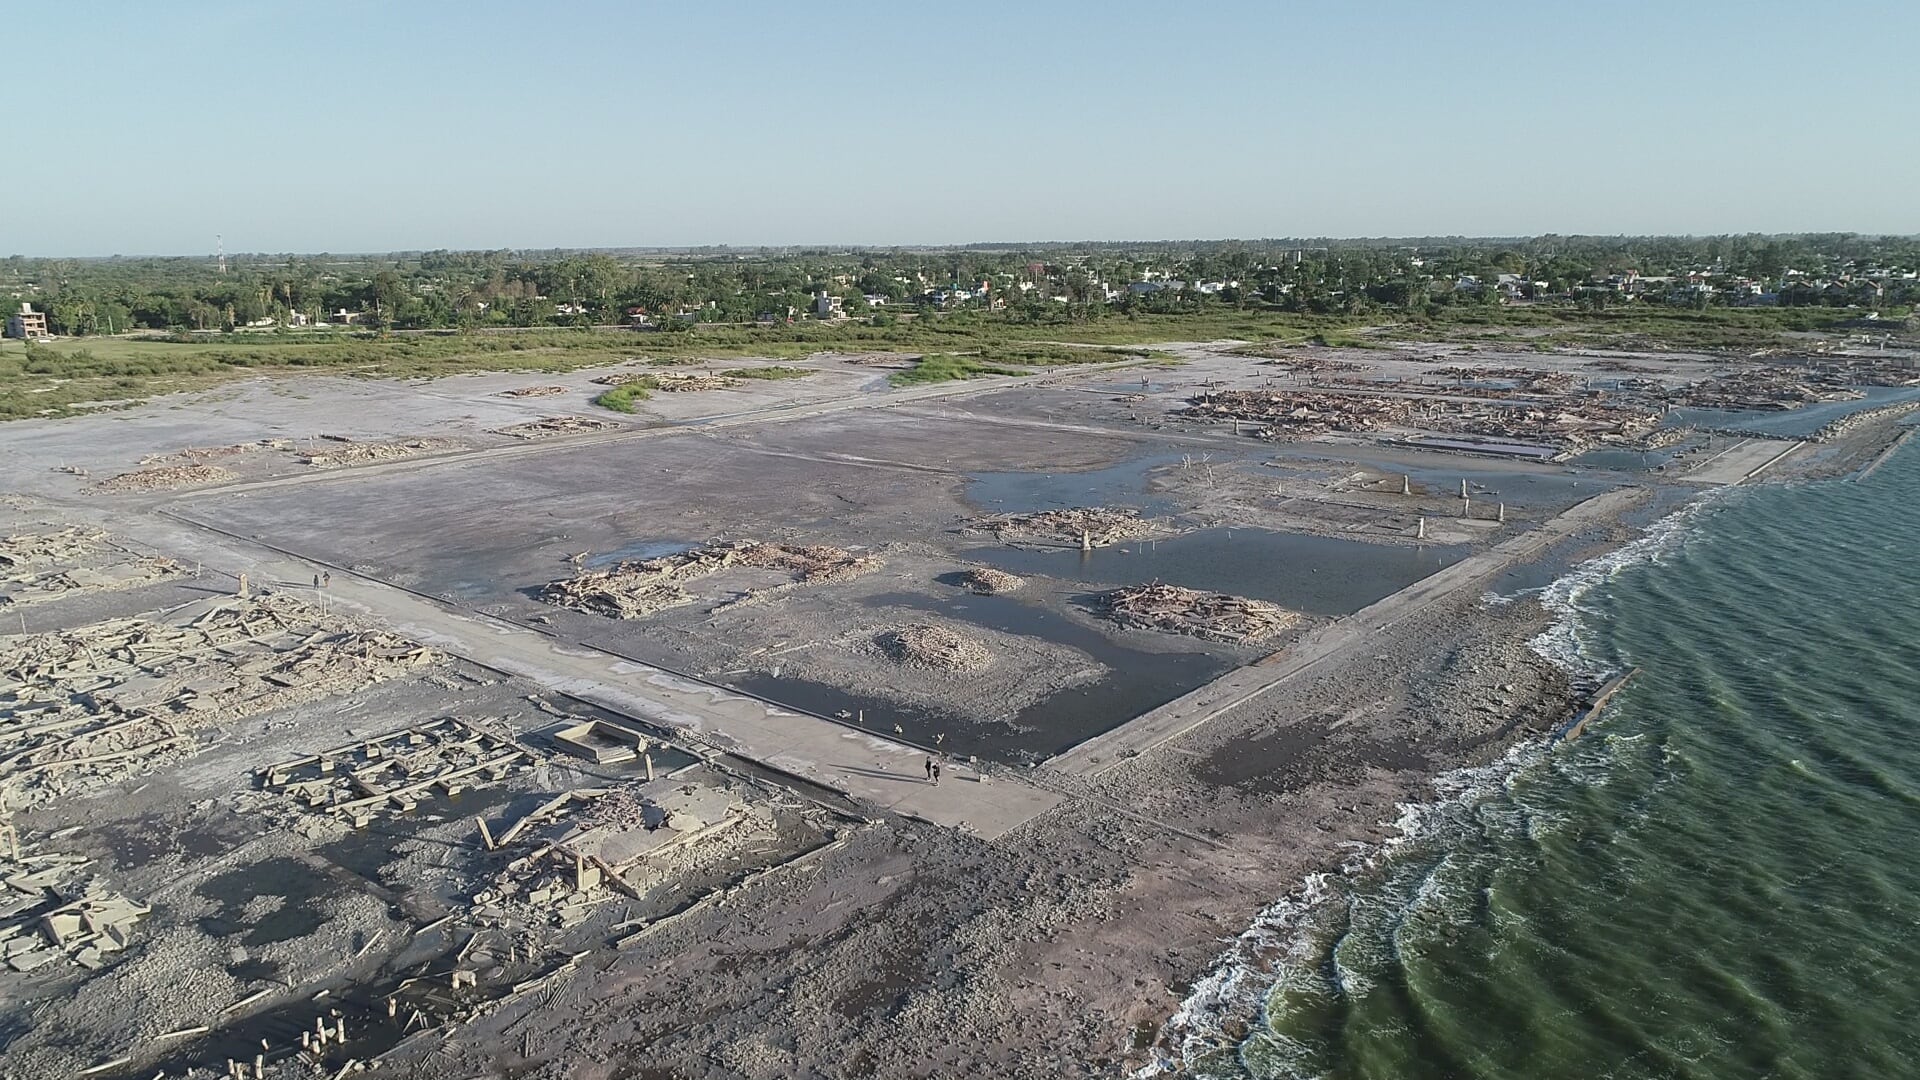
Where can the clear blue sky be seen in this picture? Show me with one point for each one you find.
(354, 125)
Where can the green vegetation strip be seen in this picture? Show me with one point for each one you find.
(946, 367)
(621, 398)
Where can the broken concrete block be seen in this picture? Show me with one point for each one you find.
(62, 925)
(29, 961)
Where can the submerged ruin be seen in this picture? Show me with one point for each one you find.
(933, 647)
(1079, 526)
(1212, 616)
(638, 587)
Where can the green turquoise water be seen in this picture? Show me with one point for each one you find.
(1722, 879)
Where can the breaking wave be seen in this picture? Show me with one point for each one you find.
(1271, 959)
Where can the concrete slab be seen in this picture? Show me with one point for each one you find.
(1742, 460)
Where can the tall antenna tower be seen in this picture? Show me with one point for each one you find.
(220, 244)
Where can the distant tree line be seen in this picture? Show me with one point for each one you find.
(667, 290)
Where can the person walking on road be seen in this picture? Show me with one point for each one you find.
(933, 771)
(929, 770)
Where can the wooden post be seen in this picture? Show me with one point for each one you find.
(648, 758)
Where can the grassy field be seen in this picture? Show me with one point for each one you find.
(87, 374)
(946, 367)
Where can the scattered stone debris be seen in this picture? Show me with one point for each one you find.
(1537, 429)
(201, 455)
(359, 453)
(672, 382)
(1080, 526)
(43, 566)
(1766, 388)
(593, 844)
(1301, 414)
(532, 391)
(98, 703)
(392, 771)
(1213, 616)
(637, 587)
(987, 581)
(41, 922)
(871, 359)
(165, 478)
(548, 427)
(934, 647)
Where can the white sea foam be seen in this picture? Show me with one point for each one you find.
(1566, 642)
(1277, 947)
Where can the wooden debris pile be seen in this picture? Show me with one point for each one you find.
(637, 587)
(392, 772)
(1213, 616)
(164, 478)
(1089, 526)
(532, 391)
(548, 427)
(98, 703)
(987, 581)
(936, 647)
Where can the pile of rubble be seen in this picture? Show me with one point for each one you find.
(1518, 380)
(1765, 388)
(1295, 414)
(533, 391)
(35, 551)
(46, 565)
(1080, 526)
(45, 917)
(98, 703)
(195, 455)
(934, 647)
(393, 771)
(637, 587)
(164, 478)
(1286, 415)
(987, 581)
(1213, 616)
(348, 452)
(671, 382)
(548, 427)
(592, 844)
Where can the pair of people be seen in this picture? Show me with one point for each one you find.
(933, 771)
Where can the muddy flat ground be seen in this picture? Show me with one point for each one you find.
(823, 908)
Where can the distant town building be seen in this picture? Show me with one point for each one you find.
(827, 306)
(28, 324)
